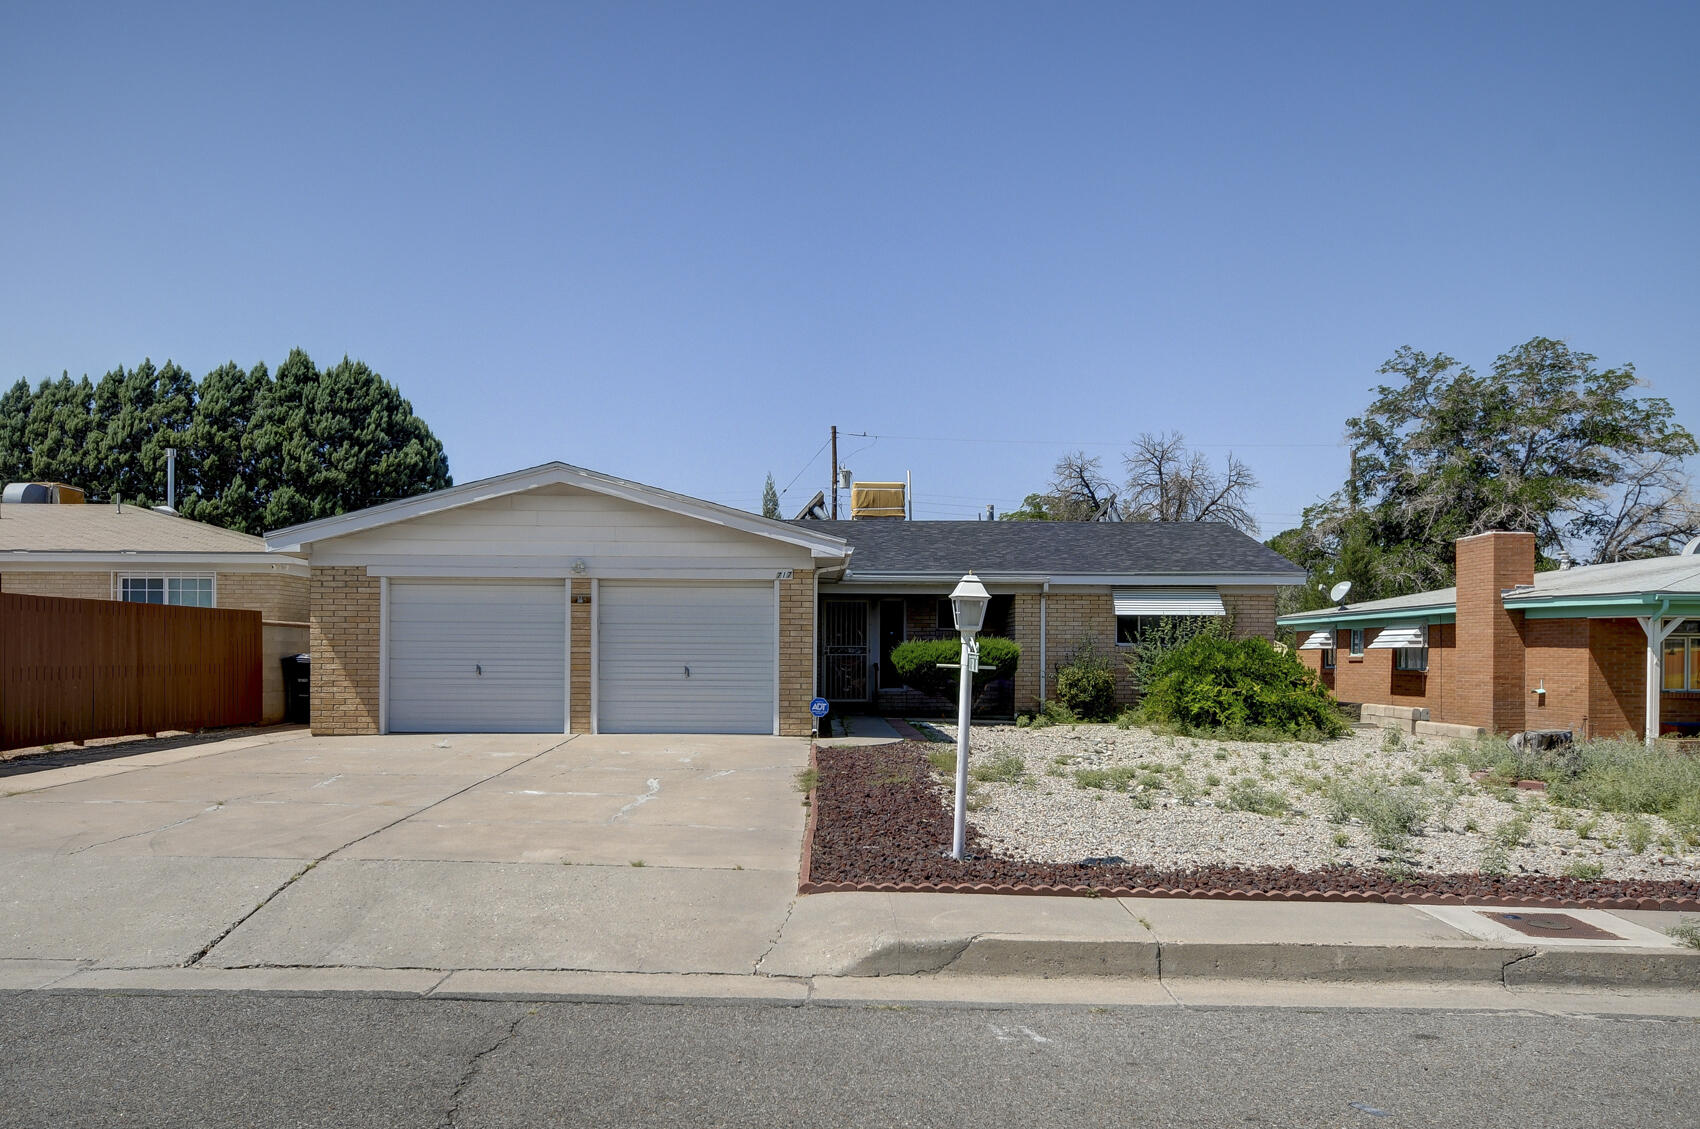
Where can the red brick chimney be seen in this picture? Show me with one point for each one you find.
(1490, 640)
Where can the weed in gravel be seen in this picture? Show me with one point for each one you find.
(1248, 795)
(1564, 820)
(1637, 833)
(1220, 754)
(1471, 826)
(943, 760)
(1003, 767)
(806, 781)
(1686, 932)
(1494, 860)
(1213, 781)
(1584, 869)
(1392, 739)
(1118, 778)
(1392, 814)
(1585, 829)
(1512, 832)
(1667, 844)
(1411, 779)
(1341, 838)
(1187, 790)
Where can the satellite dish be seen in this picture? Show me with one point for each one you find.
(1338, 592)
(1692, 549)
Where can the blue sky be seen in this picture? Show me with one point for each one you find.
(676, 242)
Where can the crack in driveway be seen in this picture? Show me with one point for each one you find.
(292, 879)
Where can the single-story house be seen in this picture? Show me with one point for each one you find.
(558, 599)
(113, 552)
(1602, 650)
(1055, 586)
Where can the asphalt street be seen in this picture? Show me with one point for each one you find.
(256, 1060)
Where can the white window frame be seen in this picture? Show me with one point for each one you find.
(120, 579)
(1355, 642)
(1688, 637)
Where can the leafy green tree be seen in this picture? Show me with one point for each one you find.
(59, 430)
(15, 405)
(1546, 441)
(217, 453)
(254, 453)
(770, 499)
(338, 440)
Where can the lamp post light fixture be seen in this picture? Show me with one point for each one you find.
(968, 605)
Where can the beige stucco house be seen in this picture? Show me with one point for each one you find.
(111, 552)
(558, 599)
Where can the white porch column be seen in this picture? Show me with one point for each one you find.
(1657, 631)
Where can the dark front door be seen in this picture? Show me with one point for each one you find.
(844, 650)
(892, 632)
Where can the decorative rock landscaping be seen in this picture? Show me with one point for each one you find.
(881, 821)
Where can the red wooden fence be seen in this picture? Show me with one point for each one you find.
(72, 670)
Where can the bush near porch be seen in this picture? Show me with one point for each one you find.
(919, 663)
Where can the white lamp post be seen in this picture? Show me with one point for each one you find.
(968, 604)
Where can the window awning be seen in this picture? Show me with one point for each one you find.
(1394, 638)
(1168, 601)
(1318, 641)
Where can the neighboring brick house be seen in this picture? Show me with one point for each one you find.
(1602, 650)
(1055, 586)
(108, 552)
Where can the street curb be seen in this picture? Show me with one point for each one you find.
(1048, 958)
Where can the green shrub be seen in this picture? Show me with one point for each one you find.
(1168, 634)
(918, 663)
(1005, 767)
(1238, 685)
(1585, 869)
(1248, 795)
(1391, 814)
(1086, 683)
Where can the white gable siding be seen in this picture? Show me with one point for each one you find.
(541, 532)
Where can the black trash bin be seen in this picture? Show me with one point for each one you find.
(297, 689)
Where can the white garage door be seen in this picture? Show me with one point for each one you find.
(686, 658)
(477, 656)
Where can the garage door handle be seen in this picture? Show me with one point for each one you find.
(478, 668)
(687, 672)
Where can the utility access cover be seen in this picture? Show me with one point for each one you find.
(1552, 925)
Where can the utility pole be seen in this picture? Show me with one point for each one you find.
(835, 472)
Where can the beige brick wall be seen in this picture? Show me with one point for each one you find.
(69, 585)
(1252, 612)
(345, 615)
(275, 595)
(1024, 631)
(579, 721)
(796, 653)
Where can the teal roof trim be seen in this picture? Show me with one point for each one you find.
(1437, 613)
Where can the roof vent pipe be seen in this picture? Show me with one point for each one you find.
(171, 479)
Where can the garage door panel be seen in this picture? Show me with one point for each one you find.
(477, 656)
(648, 635)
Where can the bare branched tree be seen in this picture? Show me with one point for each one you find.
(1168, 482)
(1079, 490)
(1651, 511)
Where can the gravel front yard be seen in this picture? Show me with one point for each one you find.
(1068, 794)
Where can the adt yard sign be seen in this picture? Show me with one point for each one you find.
(818, 707)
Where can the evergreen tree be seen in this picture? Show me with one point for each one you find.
(59, 430)
(15, 406)
(216, 464)
(769, 499)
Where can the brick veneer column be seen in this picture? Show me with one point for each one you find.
(579, 722)
(1251, 611)
(1024, 632)
(1490, 656)
(796, 653)
(344, 645)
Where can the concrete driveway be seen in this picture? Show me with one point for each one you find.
(628, 854)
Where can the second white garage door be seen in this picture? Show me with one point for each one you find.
(686, 658)
(477, 656)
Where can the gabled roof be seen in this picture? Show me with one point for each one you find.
(104, 528)
(1206, 552)
(820, 543)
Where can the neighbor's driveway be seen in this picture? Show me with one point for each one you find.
(463, 851)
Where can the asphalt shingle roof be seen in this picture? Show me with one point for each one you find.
(103, 528)
(1054, 548)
